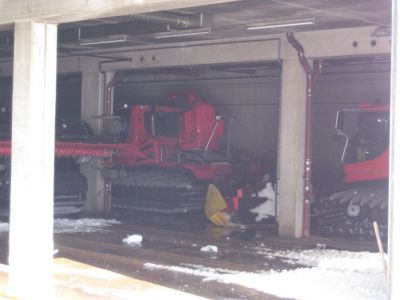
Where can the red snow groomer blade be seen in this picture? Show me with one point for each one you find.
(74, 149)
(77, 149)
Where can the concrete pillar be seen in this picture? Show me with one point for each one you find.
(291, 148)
(394, 174)
(32, 165)
(93, 91)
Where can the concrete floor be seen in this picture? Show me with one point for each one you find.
(171, 241)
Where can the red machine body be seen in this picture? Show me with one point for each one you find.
(368, 167)
(362, 198)
(165, 135)
(374, 169)
(169, 153)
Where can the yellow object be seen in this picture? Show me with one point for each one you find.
(214, 201)
(215, 204)
(221, 219)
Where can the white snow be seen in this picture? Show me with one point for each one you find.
(82, 225)
(267, 208)
(330, 274)
(133, 240)
(209, 248)
(74, 225)
(4, 227)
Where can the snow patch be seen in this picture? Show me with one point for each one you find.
(82, 225)
(264, 210)
(331, 273)
(74, 225)
(133, 240)
(267, 208)
(209, 249)
(267, 192)
(194, 270)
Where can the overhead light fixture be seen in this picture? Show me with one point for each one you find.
(280, 24)
(180, 33)
(111, 40)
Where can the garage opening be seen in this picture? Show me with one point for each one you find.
(180, 142)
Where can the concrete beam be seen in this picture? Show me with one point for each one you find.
(60, 11)
(339, 43)
(75, 64)
(200, 54)
(32, 165)
(291, 149)
(317, 44)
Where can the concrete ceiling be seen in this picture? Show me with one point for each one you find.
(228, 20)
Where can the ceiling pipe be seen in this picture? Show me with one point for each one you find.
(312, 73)
(163, 18)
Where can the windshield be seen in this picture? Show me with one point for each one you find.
(371, 137)
(165, 123)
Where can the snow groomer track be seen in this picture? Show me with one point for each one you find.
(175, 256)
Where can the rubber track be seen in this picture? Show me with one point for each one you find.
(157, 191)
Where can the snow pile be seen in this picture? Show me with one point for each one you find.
(82, 225)
(4, 227)
(331, 273)
(133, 240)
(329, 259)
(209, 249)
(266, 209)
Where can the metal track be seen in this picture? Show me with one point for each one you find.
(352, 213)
(158, 191)
(64, 205)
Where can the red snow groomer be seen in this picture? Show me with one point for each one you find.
(164, 158)
(363, 196)
(171, 154)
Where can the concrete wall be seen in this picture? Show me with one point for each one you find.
(68, 92)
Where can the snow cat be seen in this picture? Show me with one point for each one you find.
(174, 154)
(163, 157)
(362, 197)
